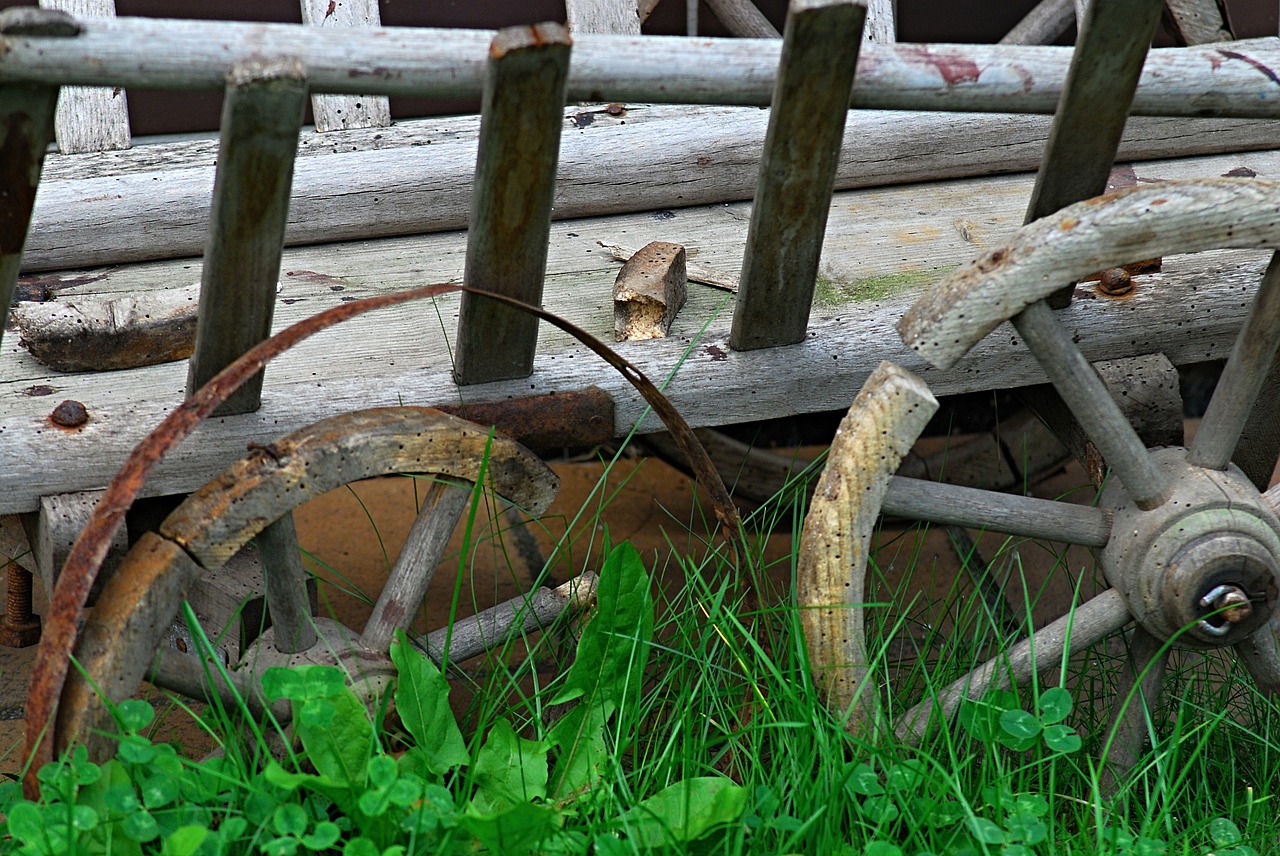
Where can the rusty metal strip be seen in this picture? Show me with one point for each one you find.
(66, 608)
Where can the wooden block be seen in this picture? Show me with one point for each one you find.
(603, 16)
(339, 112)
(95, 333)
(55, 527)
(650, 289)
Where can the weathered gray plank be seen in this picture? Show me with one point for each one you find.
(87, 215)
(1191, 312)
(90, 118)
(881, 27)
(1197, 22)
(1043, 24)
(797, 173)
(340, 112)
(602, 16)
(261, 115)
(743, 19)
(511, 205)
(1198, 81)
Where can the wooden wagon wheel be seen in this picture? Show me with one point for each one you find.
(1188, 541)
(118, 644)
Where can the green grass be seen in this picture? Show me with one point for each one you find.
(832, 291)
(702, 729)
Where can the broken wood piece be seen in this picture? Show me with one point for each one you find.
(694, 272)
(650, 289)
(96, 333)
(603, 16)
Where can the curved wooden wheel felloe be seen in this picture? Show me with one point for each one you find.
(1188, 541)
(255, 498)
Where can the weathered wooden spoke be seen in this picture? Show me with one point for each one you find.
(117, 647)
(1188, 543)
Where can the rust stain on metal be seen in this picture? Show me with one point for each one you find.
(555, 421)
(69, 414)
(42, 286)
(1116, 282)
(616, 110)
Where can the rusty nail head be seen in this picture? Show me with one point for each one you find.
(69, 414)
(1115, 282)
(39, 389)
(616, 110)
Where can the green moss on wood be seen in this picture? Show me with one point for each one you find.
(831, 292)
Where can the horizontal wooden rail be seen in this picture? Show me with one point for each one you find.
(1225, 79)
(417, 176)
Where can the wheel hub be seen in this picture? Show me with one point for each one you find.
(1203, 567)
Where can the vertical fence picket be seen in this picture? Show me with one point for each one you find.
(90, 118)
(797, 173)
(521, 115)
(338, 112)
(261, 117)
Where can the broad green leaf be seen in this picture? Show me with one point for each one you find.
(986, 831)
(135, 714)
(508, 771)
(140, 826)
(1026, 828)
(608, 669)
(25, 822)
(279, 682)
(1224, 832)
(382, 771)
(1062, 738)
(514, 832)
(290, 819)
(880, 810)
(685, 811)
(1054, 705)
(882, 848)
(324, 836)
(1031, 804)
(1020, 725)
(422, 700)
(185, 841)
(360, 846)
(84, 818)
(340, 752)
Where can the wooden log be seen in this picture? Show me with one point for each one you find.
(261, 115)
(1046, 21)
(1222, 80)
(797, 174)
(704, 155)
(339, 112)
(650, 289)
(511, 205)
(286, 585)
(602, 16)
(90, 118)
(743, 19)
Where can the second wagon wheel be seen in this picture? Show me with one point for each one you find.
(1189, 543)
(118, 644)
